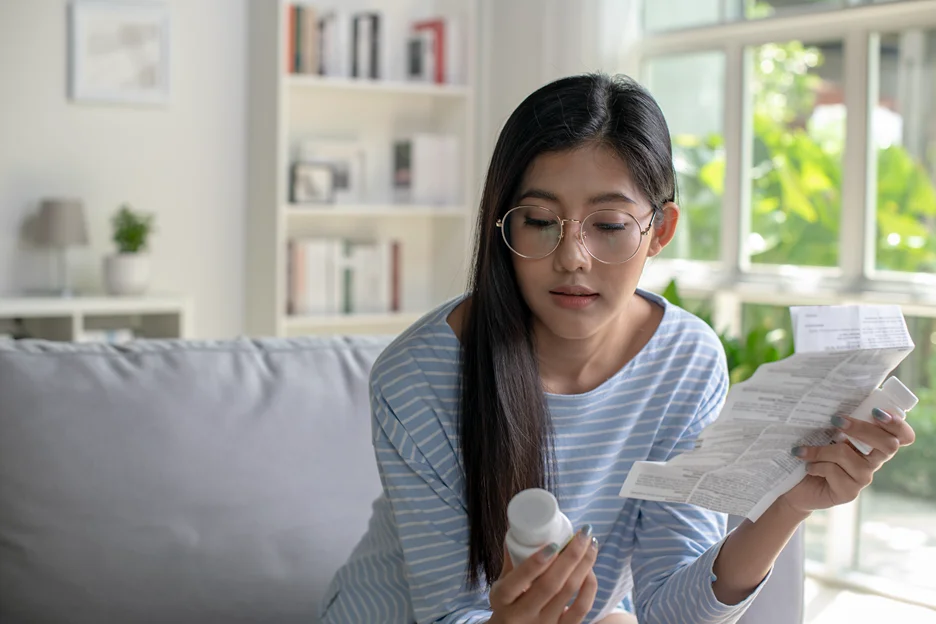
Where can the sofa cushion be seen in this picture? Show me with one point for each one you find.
(170, 481)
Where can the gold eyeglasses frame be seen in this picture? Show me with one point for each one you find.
(581, 231)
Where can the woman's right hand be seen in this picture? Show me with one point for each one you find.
(539, 589)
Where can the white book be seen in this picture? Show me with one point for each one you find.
(335, 42)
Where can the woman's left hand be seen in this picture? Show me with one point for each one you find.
(836, 473)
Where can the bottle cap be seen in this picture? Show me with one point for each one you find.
(530, 514)
(905, 399)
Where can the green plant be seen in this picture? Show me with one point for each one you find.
(131, 229)
(744, 355)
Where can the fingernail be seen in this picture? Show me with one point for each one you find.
(880, 415)
(840, 422)
(595, 543)
(798, 451)
(549, 551)
(586, 531)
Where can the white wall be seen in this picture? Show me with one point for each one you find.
(527, 43)
(184, 162)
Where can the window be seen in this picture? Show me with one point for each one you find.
(796, 100)
(897, 532)
(903, 144)
(691, 89)
(765, 117)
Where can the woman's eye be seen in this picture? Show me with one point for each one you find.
(611, 227)
(539, 223)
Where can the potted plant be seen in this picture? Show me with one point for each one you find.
(127, 272)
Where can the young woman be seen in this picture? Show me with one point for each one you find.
(554, 370)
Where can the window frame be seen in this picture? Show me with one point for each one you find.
(733, 280)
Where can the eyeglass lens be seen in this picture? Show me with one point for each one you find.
(609, 235)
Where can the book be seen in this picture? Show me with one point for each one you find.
(426, 169)
(343, 276)
(366, 42)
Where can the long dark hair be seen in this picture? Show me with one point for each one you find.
(506, 433)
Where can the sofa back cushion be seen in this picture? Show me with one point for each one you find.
(171, 481)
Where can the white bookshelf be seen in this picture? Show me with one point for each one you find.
(285, 108)
(73, 319)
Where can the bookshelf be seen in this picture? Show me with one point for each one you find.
(289, 109)
(96, 318)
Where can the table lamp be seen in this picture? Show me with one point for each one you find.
(61, 224)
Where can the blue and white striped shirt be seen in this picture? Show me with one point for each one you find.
(655, 559)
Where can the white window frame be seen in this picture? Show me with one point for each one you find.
(733, 281)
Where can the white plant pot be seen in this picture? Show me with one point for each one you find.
(126, 273)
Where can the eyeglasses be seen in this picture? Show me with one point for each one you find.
(609, 236)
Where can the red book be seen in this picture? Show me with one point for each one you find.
(437, 26)
(291, 38)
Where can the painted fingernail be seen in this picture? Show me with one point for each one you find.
(586, 531)
(880, 415)
(798, 451)
(595, 543)
(549, 551)
(840, 422)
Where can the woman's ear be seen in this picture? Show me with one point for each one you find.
(664, 228)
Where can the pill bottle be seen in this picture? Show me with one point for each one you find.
(890, 395)
(534, 521)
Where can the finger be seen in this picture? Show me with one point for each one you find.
(842, 487)
(877, 435)
(555, 607)
(583, 602)
(858, 467)
(552, 580)
(511, 586)
(894, 421)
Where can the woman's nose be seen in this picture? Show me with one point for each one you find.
(572, 255)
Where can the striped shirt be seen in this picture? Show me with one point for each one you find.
(655, 559)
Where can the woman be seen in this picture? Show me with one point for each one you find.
(556, 371)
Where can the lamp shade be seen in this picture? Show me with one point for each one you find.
(61, 223)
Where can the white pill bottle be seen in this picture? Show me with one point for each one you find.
(535, 521)
(891, 394)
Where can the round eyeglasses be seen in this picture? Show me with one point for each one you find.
(609, 236)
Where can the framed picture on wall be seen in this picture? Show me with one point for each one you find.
(118, 52)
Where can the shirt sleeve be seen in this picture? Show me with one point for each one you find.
(430, 516)
(676, 546)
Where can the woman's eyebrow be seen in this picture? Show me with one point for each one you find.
(609, 198)
(535, 193)
(602, 198)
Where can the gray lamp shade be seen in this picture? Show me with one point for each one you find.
(61, 223)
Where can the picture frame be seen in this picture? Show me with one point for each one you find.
(348, 160)
(119, 52)
(312, 183)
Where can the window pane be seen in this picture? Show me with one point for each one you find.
(757, 9)
(797, 100)
(691, 90)
(904, 138)
(898, 512)
(660, 15)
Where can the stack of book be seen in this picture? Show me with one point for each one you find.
(426, 169)
(333, 43)
(342, 276)
(345, 44)
(432, 51)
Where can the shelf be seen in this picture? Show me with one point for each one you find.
(99, 305)
(300, 211)
(390, 87)
(347, 320)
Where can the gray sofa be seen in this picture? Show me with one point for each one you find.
(202, 482)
